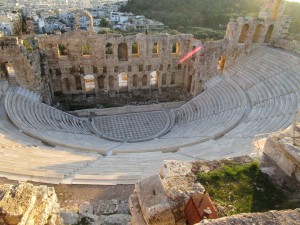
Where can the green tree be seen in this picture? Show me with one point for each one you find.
(104, 22)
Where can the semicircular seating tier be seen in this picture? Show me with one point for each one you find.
(51, 125)
(259, 94)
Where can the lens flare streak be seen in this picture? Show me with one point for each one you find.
(190, 54)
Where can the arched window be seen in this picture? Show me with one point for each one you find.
(257, 33)
(101, 82)
(154, 76)
(221, 63)
(269, 34)
(155, 49)
(68, 84)
(123, 82)
(135, 50)
(176, 48)
(9, 70)
(135, 80)
(89, 83)
(123, 52)
(173, 78)
(244, 33)
(144, 80)
(78, 83)
(111, 81)
(164, 79)
(62, 50)
(109, 48)
(86, 49)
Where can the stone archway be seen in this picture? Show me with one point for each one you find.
(244, 33)
(257, 33)
(8, 70)
(89, 83)
(269, 34)
(154, 77)
(123, 52)
(81, 13)
(123, 82)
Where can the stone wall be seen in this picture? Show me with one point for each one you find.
(293, 46)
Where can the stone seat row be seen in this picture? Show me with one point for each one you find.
(42, 164)
(28, 94)
(224, 96)
(220, 148)
(40, 116)
(124, 168)
(23, 119)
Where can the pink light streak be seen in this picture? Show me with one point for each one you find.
(190, 54)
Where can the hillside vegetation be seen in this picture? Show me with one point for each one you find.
(203, 18)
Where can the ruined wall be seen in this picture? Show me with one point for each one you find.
(293, 46)
(26, 64)
(133, 55)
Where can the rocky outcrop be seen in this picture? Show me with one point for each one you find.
(283, 148)
(26, 204)
(161, 199)
(290, 217)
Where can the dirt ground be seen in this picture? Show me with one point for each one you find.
(70, 197)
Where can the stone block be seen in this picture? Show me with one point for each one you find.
(153, 201)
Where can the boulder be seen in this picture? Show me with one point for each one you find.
(69, 218)
(107, 207)
(153, 201)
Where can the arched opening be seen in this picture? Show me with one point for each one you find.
(135, 80)
(62, 50)
(244, 33)
(221, 63)
(257, 33)
(123, 82)
(78, 83)
(101, 82)
(68, 84)
(8, 70)
(144, 80)
(89, 83)
(135, 50)
(173, 78)
(164, 79)
(276, 9)
(123, 52)
(269, 34)
(155, 49)
(176, 48)
(84, 20)
(109, 48)
(154, 76)
(111, 82)
(189, 84)
(86, 49)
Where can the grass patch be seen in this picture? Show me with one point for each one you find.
(244, 187)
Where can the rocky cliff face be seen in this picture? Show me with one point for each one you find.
(26, 204)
